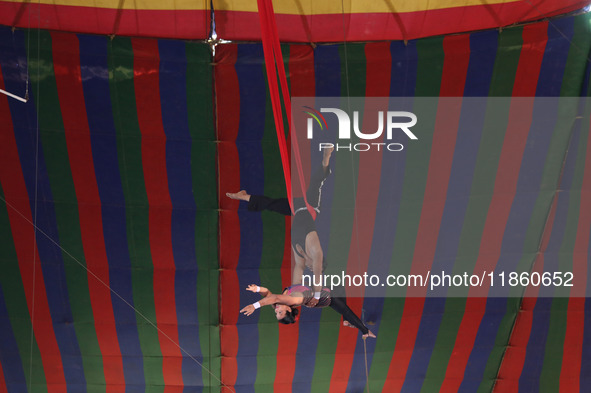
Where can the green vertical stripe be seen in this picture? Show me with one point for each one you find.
(444, 344)
(16, 304)
(552, 362)
(553, 165)
(474, 220)
(273, 243)
(571, 86)
(203, 171)
(506, 62)
(578, 57)
(503, 79)
(53, 144)
(345, 173)
(429, 70)
(121, 82)
(550, 378)
(495, 358)
(430, 58)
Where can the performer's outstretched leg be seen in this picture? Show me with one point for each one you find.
(339, 304)
(257, 203)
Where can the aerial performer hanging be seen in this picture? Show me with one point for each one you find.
(305, 243)
(301, 295)
(307, 252)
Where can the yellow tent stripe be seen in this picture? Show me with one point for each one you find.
(294, 7)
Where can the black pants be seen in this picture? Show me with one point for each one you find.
(302, 223)
(339, 304)
(259, 203)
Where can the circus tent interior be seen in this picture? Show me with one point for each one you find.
(123, 265)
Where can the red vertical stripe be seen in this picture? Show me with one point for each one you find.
(505, 186)
(535, 37)
(15, 193)
(570, 372)
(534, 44)
(3, 386)
(492, 237)
(512, 364)
(66, 58)
(575, 327)
(516, 350)
(147, 91)
(455, 67)
(227, 106)
(301, 69)
(378, 73)
(288, 334)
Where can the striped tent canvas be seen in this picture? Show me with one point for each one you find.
(124, 265)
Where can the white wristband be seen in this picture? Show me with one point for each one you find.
(258, 288)
(316, 295)
(256, 305)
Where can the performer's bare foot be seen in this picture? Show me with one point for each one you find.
(369, 333)
(326, 156)
(240, 195)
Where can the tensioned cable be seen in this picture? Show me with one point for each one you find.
(116, 293)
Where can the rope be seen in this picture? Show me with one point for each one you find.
(366, 368)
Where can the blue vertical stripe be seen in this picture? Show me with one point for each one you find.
(327, 67)
(402, 86)
(529, 380)
(24, 120)
(528, 186)
(483, 49)
(95, 83)
(560, 35)
(496, 309)
(251, 79)
(585, 374)
(532, 367)
(173, 94)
